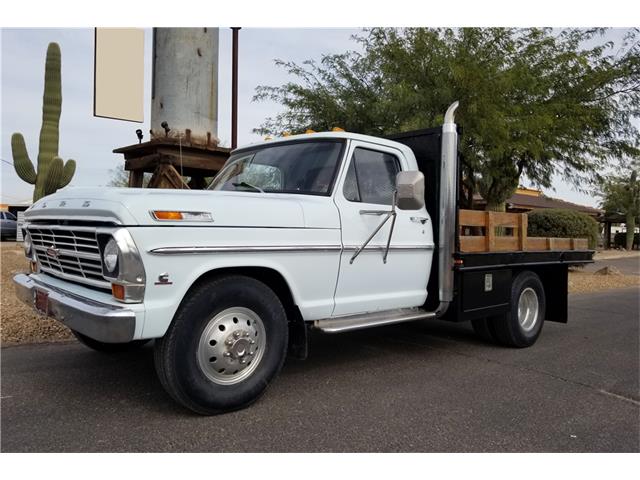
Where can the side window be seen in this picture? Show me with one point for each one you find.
(10, 216)
(371, 177)
(1, 215)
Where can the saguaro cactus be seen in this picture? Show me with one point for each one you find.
(52, 172)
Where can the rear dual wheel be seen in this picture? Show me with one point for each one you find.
(522, 325)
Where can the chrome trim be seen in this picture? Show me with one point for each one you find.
(97, 320)
(131, 272)
(64, 251)
(372, 319)
(280, 249)
(68, 252)
(446, 241)
(374, 212)
(35, 216)
(244, 249)
(62, 227)
(75, 278)
(392, 247)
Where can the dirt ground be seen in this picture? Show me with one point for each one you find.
(20, 324)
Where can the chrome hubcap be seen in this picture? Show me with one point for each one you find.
(528, 308)
(231, 346)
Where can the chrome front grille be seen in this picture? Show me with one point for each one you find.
(69, 252)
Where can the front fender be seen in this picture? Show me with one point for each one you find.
(176, 257)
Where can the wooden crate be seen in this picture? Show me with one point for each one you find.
(494, 238)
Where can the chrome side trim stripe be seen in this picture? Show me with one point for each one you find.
(244, 249)
(277, 248)
(382, 248)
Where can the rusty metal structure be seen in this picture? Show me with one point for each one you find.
(184, 112)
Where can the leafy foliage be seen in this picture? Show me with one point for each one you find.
(621, 196)
(562, 223)
(119, 177)
(532, 101)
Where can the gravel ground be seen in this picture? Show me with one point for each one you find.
(20, 324)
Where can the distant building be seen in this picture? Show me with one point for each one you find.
(527, 199)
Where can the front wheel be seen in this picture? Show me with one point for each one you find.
(227, 341)
(521, 326)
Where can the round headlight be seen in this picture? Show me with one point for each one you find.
(110, 256)
(27, 244)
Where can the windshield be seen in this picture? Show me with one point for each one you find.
(307, 167)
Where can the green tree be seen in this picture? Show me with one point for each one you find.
(621, 195)
(533, 101)
(120, 178)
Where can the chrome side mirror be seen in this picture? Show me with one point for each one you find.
(410, 190)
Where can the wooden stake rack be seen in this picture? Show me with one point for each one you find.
(506, 232)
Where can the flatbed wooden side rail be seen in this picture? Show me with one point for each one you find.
(506, 232)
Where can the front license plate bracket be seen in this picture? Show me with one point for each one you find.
(42, 302)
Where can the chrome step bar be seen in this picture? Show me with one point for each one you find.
(373, 319)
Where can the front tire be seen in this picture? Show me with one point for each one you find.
(522, 325)
(226, 343)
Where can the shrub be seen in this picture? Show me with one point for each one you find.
(561, 223)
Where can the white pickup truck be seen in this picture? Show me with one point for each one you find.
(335, 231)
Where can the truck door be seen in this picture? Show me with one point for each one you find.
(364, 195)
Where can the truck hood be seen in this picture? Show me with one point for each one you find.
(132, 206)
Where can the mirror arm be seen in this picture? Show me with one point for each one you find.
(393, 214)
(389, 215)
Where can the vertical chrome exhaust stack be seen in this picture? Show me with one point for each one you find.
(447, 236)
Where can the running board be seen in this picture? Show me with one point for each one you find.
(373, 319)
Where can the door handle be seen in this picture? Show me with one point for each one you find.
(421, 220)
(374, 212)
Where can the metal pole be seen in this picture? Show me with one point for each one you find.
(234, 88)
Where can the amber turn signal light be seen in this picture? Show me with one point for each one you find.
(117, 291)
(165, 215)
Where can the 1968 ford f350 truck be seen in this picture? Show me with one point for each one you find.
(335, 231)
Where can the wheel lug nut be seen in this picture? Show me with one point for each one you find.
(253, 342)
(236, 334)
(226, 354)
(246, 334)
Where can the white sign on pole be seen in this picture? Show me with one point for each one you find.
(118, 90)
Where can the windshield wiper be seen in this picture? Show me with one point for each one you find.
(248, 185)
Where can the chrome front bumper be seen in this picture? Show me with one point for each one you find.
(100, 321)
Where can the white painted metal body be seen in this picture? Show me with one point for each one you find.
(309, 240)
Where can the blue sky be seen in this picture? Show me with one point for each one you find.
(90, 140)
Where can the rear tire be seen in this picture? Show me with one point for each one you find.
(103, 347)
(522, 325)
(226, 343)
